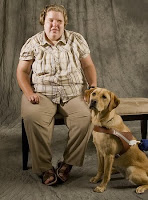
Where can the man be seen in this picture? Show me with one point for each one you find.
(60, 62)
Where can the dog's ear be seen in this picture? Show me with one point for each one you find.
(87, 94)
(114, 102)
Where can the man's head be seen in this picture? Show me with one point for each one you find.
(54, 19)
(57, 8)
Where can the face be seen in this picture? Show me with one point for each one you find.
(101, 99)
(54, 25)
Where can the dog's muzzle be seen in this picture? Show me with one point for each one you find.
(93, 104)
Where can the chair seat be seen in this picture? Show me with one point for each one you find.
(132, 106)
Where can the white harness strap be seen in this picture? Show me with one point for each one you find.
(130, 142)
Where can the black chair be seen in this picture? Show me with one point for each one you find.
(59, 120)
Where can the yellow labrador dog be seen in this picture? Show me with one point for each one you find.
(132, 162)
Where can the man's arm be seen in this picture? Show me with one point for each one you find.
(89, 70)
(23, 78)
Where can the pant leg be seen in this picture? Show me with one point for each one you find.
(78, 120)
(39, 123)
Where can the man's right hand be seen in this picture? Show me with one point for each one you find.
(33, 98)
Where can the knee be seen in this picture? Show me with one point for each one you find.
(32, 116)
(86, 116)
(83, 122)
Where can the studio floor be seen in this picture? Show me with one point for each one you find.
(16, 184)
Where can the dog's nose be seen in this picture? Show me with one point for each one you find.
(93, 104)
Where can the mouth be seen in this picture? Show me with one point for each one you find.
(91, 107)
(54, 30)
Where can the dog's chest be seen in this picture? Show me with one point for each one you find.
(99, 139)
(104, 143)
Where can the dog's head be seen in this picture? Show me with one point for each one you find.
(100, 99)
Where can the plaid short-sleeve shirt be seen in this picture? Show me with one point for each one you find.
(56, 70)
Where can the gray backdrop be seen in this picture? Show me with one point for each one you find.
(116, 31)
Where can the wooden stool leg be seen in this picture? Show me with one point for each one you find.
(144, 129)
(25, 147)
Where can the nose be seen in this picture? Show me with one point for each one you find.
(93, 104)
(54, 23)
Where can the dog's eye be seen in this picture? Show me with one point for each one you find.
(103, 96)
(94, 94)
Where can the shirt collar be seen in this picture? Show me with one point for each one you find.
(62, 39)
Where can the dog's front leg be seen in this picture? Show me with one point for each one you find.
(100, 172)
(108, 163)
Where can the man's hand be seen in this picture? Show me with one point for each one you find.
(34, 98)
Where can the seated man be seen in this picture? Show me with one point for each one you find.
(61, 67)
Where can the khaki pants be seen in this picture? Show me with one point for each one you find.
(39, 123)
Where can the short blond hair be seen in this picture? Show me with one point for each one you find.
(57, 8)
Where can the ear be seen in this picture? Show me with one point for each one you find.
(87, 94)
(114, 102)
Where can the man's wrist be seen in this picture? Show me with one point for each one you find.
(91, 87)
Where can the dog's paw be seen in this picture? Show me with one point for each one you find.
(99, 189)
(94, 179)
(140, 189)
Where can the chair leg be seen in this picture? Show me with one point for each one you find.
(25, 147)
(144, 129)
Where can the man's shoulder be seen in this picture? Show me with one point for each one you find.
(37, 38)
(72, 34)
